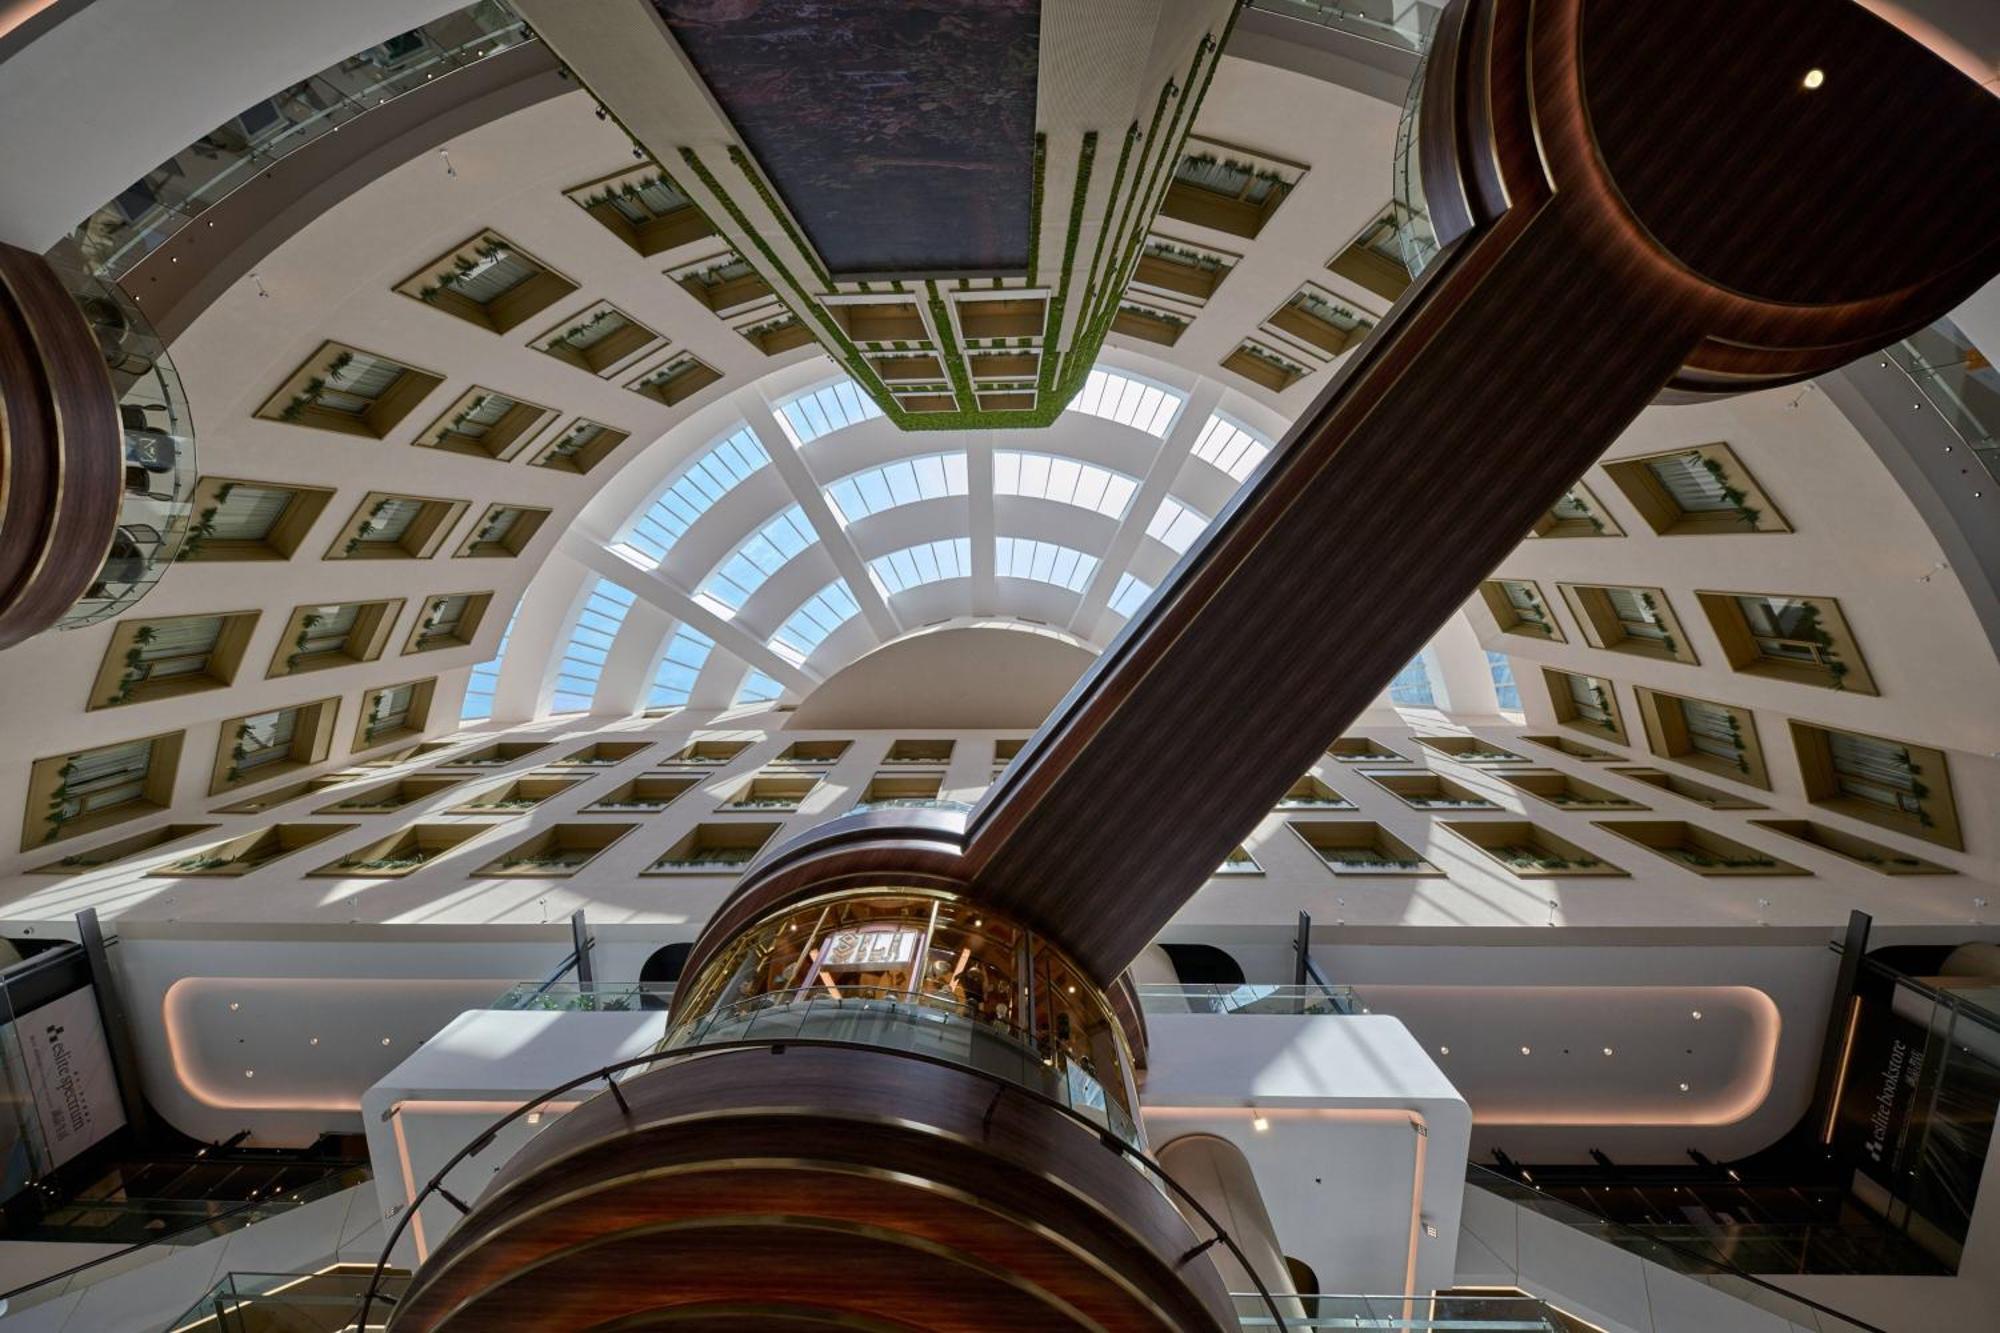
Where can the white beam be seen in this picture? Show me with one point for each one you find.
(647, 585)
(980, 525)
(1158, 482)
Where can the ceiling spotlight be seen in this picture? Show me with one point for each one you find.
(1815, 77)
(1259, 1123)
(1444, 1050)
(534, 1117)
(1684, 1087)
(234, 1006)
(249, 1073)
(385, 1041)
(1607, 1050)
(1526, 1051)
(314, 1041)
(1695, 1014)
(602, 114)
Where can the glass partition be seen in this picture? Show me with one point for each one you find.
(173, 194)
(1406, 24)
(923, 972)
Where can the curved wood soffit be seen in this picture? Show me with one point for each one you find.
(1632, 202)
(60, 449)
(817, 1185)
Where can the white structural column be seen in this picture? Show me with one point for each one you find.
(1460, 676)
(628, 671)
(649, 587)
(980, 525)
(1158, 482)
(798, 478)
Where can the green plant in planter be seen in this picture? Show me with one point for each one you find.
(201, 863)
(135, 665)
(1733, 495)
(457, 424)
(59, 812)
(203, 527)
(361, 533)
(1652, 609)
(460, 269)
(239, 750)
(315, 388)
(307, 624)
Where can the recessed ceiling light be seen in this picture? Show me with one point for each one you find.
(1259, 1123)
(1696, 1015)
(1684, 1087)
(1444, 1050)
(534, 1117)
(1607, 1050)
(234, 1006)
(314, 1041)
(1815, 77)
(385, 1041)
(1526, 1051)
(249, 1073)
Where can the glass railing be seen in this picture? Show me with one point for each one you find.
(929, 1025)
(328, 1301)
(1700, 1260)
(174, 1231)
(158, 475)
(1311, 1000)
(910, 803)
(1414, 235)
(1960, 382)
(621, 997)
(1420, 1314)
(175, 193)
(1406, 24)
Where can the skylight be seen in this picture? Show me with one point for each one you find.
(1412, 686)
(1176, 525)
(1130, 595)
(485, 679)
(927, 562)
(807, 416)
(1128, 401)
(806, 628)
(1233, 448)
(758, 688)
(1064, 480)
(761, 555)
(589, 645)
(707, 479)
(905, 481)
(1502, 668)
(1045, 562)
(687, 652)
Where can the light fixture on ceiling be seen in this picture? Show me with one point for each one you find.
(1526, 1051)
(1259, 1123)
(312, 1041)
(249, 1073)
(1444, 1050)
(1684, 1087)
(234, 1006)
(1814, 78)
(1607, 1050)
(385, 1041)
(534, 1117)
(1695, 1014)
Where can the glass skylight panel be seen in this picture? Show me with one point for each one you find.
(758, 688)
(1412, 686)
(927, 562)
(806, 628)
(905, 481)
(1064, 480)
(707, 479)
(1230, 447)
(1502, 668)
(1127, 400)
(761, 555)
(589, 645)
(1176, 525)
(807, 416)
(687, 652)
(1044, 562)
(1130, 595)
(485, 679)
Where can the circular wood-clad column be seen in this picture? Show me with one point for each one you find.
(61, 449)
(814, 1187)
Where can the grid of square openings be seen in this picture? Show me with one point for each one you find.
(806, 628)
(589, 645)
(485, 678)
(905, 481)
(673, 683)
(1128, 400)
(1230, 446)
(1064, 480)
(1130, 595)
(804, 417)
(1045, 562)
(762, 554)
(926, 562)
(707, 479)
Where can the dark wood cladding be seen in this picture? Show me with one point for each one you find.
(803, 1186)
(1552, 317)
(61, 449)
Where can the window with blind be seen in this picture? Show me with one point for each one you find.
(264, 738)
(1696, 491)
(1892, 783)
(100, 780)
(249, 513)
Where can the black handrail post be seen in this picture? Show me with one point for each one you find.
(1853, 955)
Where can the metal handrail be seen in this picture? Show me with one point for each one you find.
(1104, 1136)
(1485, 1177)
